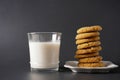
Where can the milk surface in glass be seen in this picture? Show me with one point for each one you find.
(44, 54)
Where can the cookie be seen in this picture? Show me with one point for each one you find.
(98, 64)
(80, 41)
(91, 59)
(89, 29)
(87, 35)
(89, 50)
(86, 55)
(89, 44)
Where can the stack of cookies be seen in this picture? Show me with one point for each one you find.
(88, 47)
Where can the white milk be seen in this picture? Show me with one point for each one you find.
(44, 54)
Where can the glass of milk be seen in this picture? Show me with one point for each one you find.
(44, 48)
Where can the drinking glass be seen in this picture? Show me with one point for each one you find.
(44, 49)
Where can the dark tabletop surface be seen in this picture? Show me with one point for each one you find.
(23, 73)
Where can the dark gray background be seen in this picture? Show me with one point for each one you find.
(18, 17)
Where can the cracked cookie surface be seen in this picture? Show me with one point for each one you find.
(91, 59)
(80, 41)
(86, 55)
(89, 44)
(98, 64)
(89, 29)
(87, 35)
(89, 50)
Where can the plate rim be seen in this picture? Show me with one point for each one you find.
(72, 67)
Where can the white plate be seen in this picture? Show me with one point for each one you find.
(73, 66)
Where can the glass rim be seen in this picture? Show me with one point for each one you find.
(43, 32)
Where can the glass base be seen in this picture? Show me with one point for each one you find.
(44, 70)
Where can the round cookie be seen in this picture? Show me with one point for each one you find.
(80, 41)
(91, 59)
(86, 55)
(89, 50)
(89, 44)
(87, 35)
(89, 29)
(99, 64)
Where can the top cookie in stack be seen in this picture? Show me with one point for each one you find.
(88, 46)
